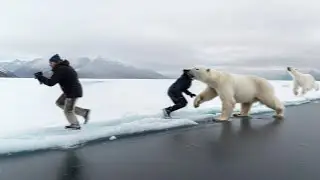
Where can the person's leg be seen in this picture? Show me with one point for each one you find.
(82, 112)
(61, 101)
(70, 114)
(179, 102)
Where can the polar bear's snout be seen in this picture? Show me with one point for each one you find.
(291, 69)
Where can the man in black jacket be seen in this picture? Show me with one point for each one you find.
(68, 80)
(181, 85)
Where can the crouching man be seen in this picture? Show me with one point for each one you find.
(67, 78)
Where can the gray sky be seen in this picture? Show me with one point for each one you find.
(164, 34)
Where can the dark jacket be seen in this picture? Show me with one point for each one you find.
(182, 84)
(67, 78)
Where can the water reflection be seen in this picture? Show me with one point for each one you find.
(244, 141)
(71, 167)
(246, 131)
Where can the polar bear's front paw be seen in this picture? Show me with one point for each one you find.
(197, 102)
(295, 93)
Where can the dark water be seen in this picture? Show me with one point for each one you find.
(260, 148)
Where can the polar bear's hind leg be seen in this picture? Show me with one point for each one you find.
(273, 102)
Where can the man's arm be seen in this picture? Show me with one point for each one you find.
(188, 92)
(53, 80)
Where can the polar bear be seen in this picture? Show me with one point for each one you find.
(235, 88)
(306, 81)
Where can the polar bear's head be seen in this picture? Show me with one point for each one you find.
(203, 74)
(292, 71)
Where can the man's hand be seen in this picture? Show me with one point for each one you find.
(37, 75)
(192, 95)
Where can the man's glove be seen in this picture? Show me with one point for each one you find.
(192, 95)
(37, 75)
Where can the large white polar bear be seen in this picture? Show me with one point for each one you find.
(306, 81)
(235, 88)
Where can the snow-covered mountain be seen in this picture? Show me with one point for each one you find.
(86, 68)
(6, 73)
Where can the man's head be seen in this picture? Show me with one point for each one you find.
(54, 60)
(186, 73)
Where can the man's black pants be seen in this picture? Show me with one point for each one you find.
(178, 100)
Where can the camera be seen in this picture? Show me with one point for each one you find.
(38, 74)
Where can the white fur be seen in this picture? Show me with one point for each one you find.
(304, 81)
(235, 88)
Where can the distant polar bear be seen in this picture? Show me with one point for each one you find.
(305, 81)
(235, 88)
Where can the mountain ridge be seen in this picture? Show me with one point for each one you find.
(97, 68)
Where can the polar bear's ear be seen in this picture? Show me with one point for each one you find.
(208, 70)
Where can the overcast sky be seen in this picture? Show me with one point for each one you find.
(164, 34)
